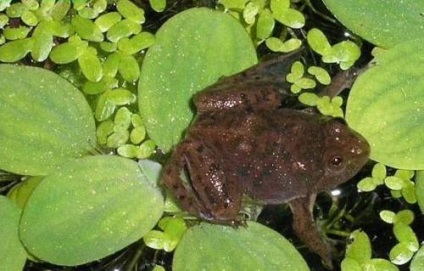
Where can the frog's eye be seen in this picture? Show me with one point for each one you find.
(336, 162)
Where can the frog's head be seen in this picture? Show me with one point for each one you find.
(345, 153)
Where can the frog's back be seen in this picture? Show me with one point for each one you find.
(274, 154)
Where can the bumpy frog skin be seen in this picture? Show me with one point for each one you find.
(242, 143)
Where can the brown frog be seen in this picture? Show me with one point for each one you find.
(243, 143)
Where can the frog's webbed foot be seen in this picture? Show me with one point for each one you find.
(209, 193)
(307, 230)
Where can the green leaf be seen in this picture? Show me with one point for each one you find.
(122, 29)
(16, 33)
(408, 192)
(80, 4)
(377, 265)
(87, 29)
(3, 19)
(320, 74)
(308, 98)
(95, 205)
(128, 150)
(111, 64)
(43, 125)
(105, 107)
(387, 216)
(121, 96)
(419, 189)
(43, 42)
(122, 119)
(265, 24)
(379, 20)
(256, 247)
(23, 190)
(130, 11)
(13, 254)
(233, 4)
(318, 41)
(400, 254)
(345, 53)
(106, 21)
(31, 4)
(405, 216)
(4, 4)
(417, 263)
(15, 10)
(29, 18)
(349, 264)
(68, 51)
(104, 130)
(360, 248)
(137, 43)
(100, 5)
(94, 88)
(385, 106)
(90, 65)
(88, 13)
(151, 169)
(367, 184)
(279, 6)
(155, 239)
(290, 17)
(404, 234)
(181, 63)
(249, 12)
(129, 68)
(379, 171)
(59, 9)
(394, 182)
(137, 134)
(15, 50)
(158, 5)
(61, 29)
(117, 139)
(146, 149)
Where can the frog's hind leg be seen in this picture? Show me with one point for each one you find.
(208, 191)
(307, 230)
(173, 181)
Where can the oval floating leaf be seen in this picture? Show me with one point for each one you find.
(419, 189)
(95, 205)
(130, 11)
(15, 50)
(13, 254)
(417, 263)
(90, 64)
(192, 50)
(87, 29)
(386, 105)
(45, 121)
(385, 23)
(256, 247)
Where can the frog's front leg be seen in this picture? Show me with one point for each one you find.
(209, 192)
(306, 229)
